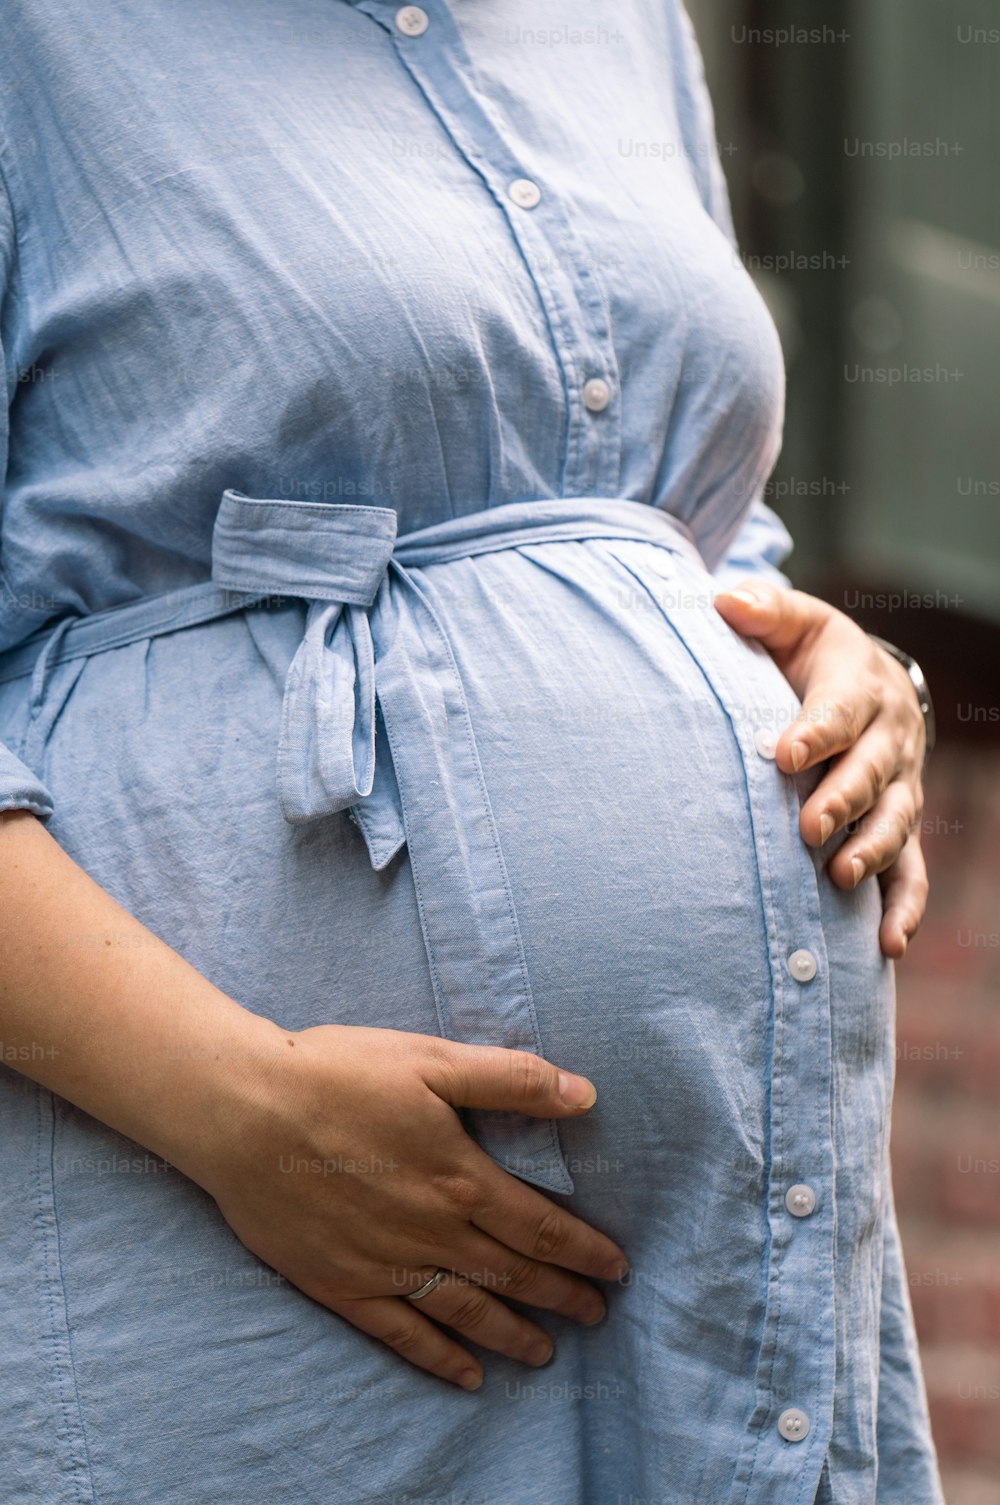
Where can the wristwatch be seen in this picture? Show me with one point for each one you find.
(919, 683)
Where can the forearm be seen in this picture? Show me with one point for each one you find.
(97, 1008)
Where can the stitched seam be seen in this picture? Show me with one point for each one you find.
(69, 1336)
(48, 1249)
(5, 152)
(238, 499)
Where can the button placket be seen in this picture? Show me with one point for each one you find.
(797, 1354)
(575, 305)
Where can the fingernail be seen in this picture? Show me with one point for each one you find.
(617, 1271)
(857, 871)
(540, 1354)
(576, 1091)
(750, 597)
(592, 1321)
(470, 1379)
(825, 828)
(800, 752)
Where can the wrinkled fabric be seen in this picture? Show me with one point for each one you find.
(378, 674)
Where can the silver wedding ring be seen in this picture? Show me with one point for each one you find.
(427, 1287)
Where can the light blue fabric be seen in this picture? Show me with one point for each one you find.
(378, 674)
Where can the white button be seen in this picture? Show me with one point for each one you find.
(802, 965)
(596, 394)
(800, 1201)
(793, 1424)
(412, 21)
(765, 742)
(524, 192)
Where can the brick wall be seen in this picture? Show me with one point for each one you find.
(946, 1120)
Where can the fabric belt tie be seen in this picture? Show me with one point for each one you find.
(368, 648)
(336, 557)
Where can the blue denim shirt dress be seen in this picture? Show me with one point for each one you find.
(386, 400)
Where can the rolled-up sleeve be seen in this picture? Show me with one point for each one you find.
(20, 789)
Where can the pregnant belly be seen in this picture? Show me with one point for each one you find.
(624, 735)
(620, 793)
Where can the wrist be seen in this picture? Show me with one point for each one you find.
(215, 1085)
(921, 689)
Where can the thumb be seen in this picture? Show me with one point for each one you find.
(779, 618)
(487, 1076)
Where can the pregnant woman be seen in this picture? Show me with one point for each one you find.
(388, 404)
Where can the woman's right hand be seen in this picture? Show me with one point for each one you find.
(103, 1012)
(346, 1168)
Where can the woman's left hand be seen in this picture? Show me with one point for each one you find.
(859, 709)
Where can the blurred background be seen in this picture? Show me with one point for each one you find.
(861, 142)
